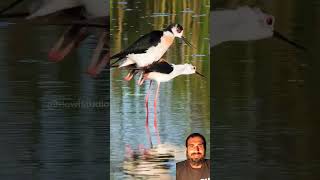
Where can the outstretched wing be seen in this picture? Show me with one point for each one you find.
(141, 45)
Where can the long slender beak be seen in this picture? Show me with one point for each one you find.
(187, 42)
(277, 35)
(200, 74)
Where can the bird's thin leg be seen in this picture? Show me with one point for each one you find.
(146, 104)
(92, 69)
(155, 106)
(61, 39)
(74, 43)
(141, 79)
(130, 75)
(148, 135)
(56, 55)
(105, 60)
(155, 113)
(103, 63)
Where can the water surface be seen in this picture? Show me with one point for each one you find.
(183, 104)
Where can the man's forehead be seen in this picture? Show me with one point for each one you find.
(196, 139)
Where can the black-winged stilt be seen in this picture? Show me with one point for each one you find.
(149, 48)
(162, 71)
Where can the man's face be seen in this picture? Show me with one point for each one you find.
(195, 150)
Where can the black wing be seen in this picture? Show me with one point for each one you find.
(141, 45)
(159, 66)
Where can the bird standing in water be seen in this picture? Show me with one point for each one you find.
(162, 71)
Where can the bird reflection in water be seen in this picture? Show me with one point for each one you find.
(149, 163)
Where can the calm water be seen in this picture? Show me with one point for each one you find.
(44, 133)
(265, 119)
(264, 100)
(183, 105)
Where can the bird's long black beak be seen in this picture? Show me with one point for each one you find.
(187, 42)
(283, 38)
(200, 74)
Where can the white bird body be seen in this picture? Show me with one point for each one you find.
(162, 71)
(180, 69)
(241, 24)
(153, 54)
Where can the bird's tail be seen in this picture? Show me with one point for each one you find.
(112, 65)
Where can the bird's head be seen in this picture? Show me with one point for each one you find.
(175, 29)
(190, 69)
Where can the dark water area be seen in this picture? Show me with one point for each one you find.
(53, 117)
(265, 99)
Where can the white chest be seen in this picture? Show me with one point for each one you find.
(152, 54)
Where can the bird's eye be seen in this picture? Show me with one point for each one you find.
(269, 21)
(179, 28)
(194, 67)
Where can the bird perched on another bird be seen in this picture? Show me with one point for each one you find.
(149, 48)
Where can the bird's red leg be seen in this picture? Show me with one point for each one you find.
(103, 63)
(92, 69)
(155, 106)
(56, 54)
(141, 79)
(129, 76)
(146, 104)
(148, 135)
(155, 113)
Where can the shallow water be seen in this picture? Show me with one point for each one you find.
(53, 123)
(183, 104)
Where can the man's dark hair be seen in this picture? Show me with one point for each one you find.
(197, 135)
